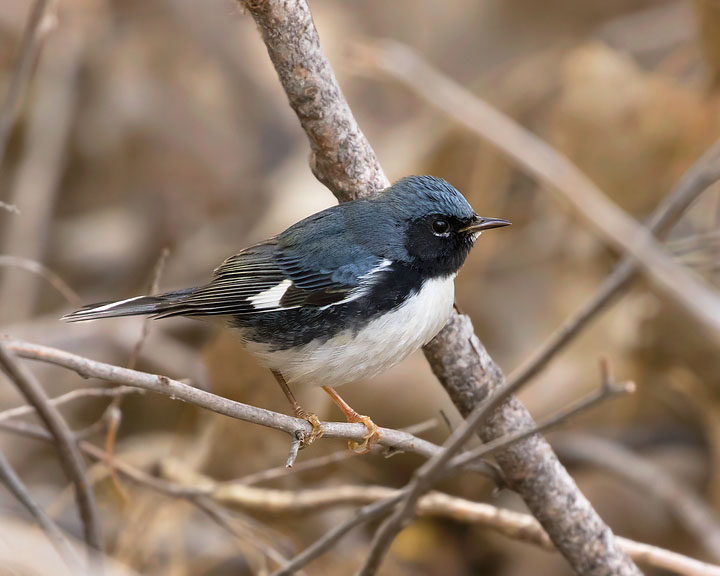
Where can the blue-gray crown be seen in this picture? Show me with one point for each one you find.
(416, 196)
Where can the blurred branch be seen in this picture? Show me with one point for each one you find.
(154, 288)
(16, 487)
(701, 175)
(341, 157)
(70, 456)
(29, 49)
(696, 515)
(9, 208)
(515, 525)
(401, 441)
(550, 167)
(192, 495)
(70, 397)
(454, 355)
(41, 270)
(44, 146)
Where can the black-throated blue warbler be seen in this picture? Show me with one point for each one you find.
(343, 294)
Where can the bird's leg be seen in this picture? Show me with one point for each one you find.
(373, 434)
(300, 412)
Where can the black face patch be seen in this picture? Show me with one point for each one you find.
(436, 244)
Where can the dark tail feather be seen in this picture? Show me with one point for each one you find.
(163, 304)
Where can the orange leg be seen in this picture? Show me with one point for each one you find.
(300, 412)
(373, 434)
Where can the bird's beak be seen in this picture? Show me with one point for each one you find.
(479, 224)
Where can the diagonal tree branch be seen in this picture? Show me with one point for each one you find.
(341, 157)
(457, 357)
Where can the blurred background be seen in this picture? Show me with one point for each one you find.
(153, 126)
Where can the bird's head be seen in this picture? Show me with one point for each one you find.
(436, 225)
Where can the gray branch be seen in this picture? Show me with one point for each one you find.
(468, 376)
(341, 157)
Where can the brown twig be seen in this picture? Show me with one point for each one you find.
(71, 397)
(41, 270)
(147, 323)
(16, 487)
(29, 49)
(341, 158)
(70, 456)
(397, 440)
(551, 168)
(9, 208)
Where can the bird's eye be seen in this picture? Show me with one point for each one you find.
(440, 227)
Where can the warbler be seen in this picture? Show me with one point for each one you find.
(342, 295)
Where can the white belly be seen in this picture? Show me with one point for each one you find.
(381, 344)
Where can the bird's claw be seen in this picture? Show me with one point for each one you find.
(370, 439)
(317, 429)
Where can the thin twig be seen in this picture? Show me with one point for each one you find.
(15, 485)
(71, 397)
(70, 456)
(9, 208)
(41, 270)
(176, 390)
(327, 460)
(147, 323)
(29, 49)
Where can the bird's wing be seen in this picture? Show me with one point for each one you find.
(279, 275)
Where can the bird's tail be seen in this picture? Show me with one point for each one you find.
(168, 304)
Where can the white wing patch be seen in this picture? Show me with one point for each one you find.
(271, 297)
(365, 284)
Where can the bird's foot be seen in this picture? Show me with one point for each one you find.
(371, 438)
(317, 429)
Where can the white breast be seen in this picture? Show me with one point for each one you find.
(384, 342)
